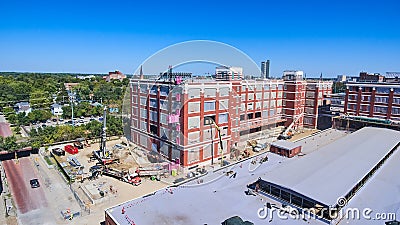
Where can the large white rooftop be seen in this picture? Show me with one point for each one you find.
(219, 197)
(333, 170)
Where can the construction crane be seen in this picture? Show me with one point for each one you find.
(103, 148)
(221, 146)
(287, 134)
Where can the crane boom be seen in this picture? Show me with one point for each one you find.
(284, 135)
(221, 146)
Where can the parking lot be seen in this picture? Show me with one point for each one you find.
(31, 202)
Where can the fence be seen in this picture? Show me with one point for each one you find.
(18, 153)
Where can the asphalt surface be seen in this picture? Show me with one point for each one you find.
(5, 130)
(31, 202)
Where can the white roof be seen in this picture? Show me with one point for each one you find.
(381, 194)
(329, 173)
(216, 199)
(285, 144)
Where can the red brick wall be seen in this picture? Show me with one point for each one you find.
(284, 152)
(109, 220)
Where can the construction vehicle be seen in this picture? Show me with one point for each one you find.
(68, 215)
(256, 147)
(104, 156)
(133, 179)
(246, 153)
(288, 133)
(150, 171)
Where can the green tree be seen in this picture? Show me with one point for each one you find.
(17, 130)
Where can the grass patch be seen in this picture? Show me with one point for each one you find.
(48, 161)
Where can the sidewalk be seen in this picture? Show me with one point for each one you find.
(6, 199)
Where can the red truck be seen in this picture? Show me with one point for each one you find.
(71, 149)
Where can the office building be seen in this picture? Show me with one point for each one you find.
(265, 69)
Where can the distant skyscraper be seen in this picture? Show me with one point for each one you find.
(265, 69)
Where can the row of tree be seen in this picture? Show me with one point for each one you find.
(82, 109)
(50, 135)
(41, 88)
(33, 117)
(10, 144)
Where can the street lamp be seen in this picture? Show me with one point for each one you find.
(212, 146)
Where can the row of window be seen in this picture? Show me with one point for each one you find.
(260, 87)
(378, 99)
(264, 114)
(194, 154)
(194, 122)
(383, 90)
(208, 92)
(377, 109)
(224, 104)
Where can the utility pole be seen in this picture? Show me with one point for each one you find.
(72, 99)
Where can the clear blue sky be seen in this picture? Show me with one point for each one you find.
(332, 37)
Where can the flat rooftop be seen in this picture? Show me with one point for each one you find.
(287, 145)
(333, 170)
(219, 197)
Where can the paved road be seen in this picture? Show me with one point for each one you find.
(5, 130)
(31, 202)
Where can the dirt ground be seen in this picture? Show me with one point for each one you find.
(126, 159)
(302, 134)
(122, 191)
(11, 220)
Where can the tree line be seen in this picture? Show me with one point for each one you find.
(43, 89)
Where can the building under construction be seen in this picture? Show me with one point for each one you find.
(177, 114)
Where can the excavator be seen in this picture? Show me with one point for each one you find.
(287, 134)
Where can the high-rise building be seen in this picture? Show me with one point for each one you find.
(265, 69)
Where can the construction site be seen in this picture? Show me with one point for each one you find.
(93, 175)
(100, 172)
(237, 192)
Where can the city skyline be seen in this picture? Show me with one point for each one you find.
(97, 37)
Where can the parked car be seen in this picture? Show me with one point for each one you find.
(34, 183)
(82, 117)
(61, 119)
(78, 144)
(58, 151)
(71, 149)
(119, 146)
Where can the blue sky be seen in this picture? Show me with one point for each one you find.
(329, 37)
